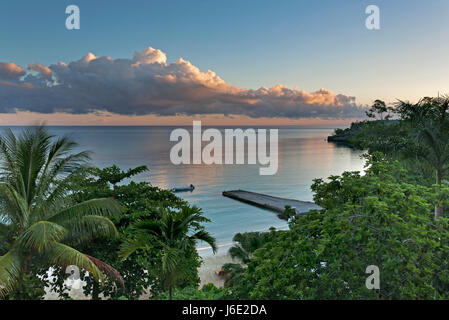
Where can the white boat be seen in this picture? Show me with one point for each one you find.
(183, 188)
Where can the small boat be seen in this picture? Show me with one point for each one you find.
(183, 188)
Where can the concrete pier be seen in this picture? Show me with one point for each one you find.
(270, 202)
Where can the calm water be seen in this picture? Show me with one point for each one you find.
(303, 155)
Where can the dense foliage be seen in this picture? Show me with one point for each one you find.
(393, 216)
(245, 244)
(56, 211)
(173, 234)
(372, 219)
(143, 204)
(419, 139)
(207, 292)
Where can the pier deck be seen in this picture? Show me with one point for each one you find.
(270, 202)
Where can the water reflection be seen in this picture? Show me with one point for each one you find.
(304, 154)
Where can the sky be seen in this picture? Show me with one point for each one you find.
(295, 62)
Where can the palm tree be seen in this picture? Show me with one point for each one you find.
(243, 250)
(246, 244)
(428, 128)
(174, 233)
(38, 219)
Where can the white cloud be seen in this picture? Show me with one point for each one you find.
(147, 84)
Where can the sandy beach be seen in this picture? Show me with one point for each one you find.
(208, 267)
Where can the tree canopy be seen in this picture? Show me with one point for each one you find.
(372, 219)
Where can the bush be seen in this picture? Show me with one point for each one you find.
(372, 219)
(208, 292)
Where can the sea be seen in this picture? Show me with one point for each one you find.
(304, 155)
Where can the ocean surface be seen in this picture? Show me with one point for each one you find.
(304, 154)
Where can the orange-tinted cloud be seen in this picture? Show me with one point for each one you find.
(10, 71)
(148, 85)
(44, 71)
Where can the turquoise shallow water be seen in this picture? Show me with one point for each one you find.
(304, 154)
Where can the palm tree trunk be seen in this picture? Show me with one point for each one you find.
(438, 208)
(170, 293)
(26, 264)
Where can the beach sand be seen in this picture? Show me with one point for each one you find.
(208, 267)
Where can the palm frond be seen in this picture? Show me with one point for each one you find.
(89, 228)
(107, 207)
(171, 258)
(12, 204)
(206, 237)
(57, 175)
(8, 146)
(10, 269)
(57, 196)
(108, 269)
(141, 241)
(41, 235)
(238, 252)
(63, 255)
(30, 157)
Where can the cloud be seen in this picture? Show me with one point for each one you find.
(43, 71)
(10, 71)
(147, 84)
(149, 56)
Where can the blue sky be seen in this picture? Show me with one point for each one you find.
(249, 44)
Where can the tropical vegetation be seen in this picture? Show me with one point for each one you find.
(40, 222)
(134, 240)
(56, 211)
